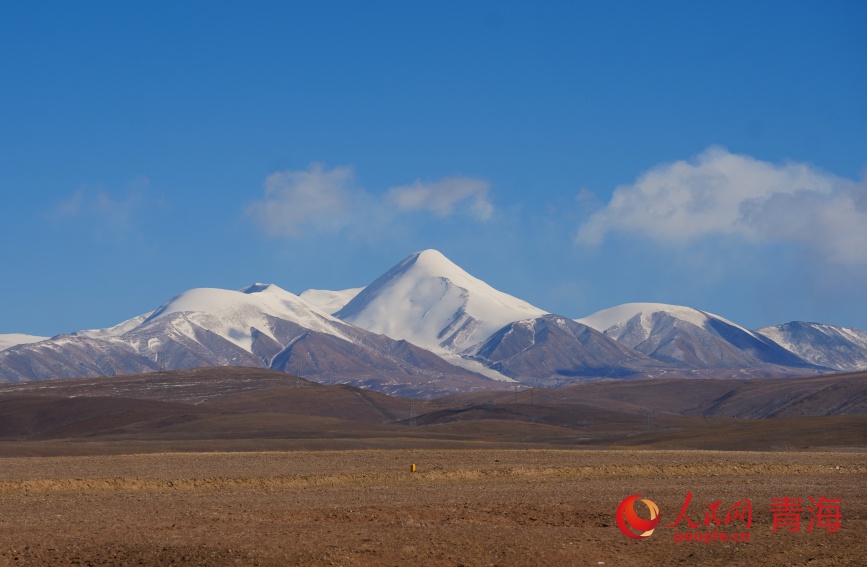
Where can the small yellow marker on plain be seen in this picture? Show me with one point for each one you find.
(412, 468)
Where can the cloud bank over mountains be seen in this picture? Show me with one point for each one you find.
(722, 194)
(716, 194)
(325, 200)
(443, 197)
(780, 233)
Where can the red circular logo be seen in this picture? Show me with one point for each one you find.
(630, 523)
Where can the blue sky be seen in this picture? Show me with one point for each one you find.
(576, 155)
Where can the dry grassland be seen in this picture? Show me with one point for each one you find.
(462, 507)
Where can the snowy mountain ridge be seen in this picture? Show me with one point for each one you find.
(234, 315)
(620, 314)
(689, 338)
(424, 322)
(330, 301)
(825, 345)
(261, 325)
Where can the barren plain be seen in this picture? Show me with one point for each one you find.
(245, 467)
(461, 507)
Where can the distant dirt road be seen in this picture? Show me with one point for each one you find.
(462, 507)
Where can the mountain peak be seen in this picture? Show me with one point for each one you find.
(261, 288)
(607, 318)
(689, 337)
(428, 300)
(433, 262)
(840, 348)
(432, 257)
(235, 314)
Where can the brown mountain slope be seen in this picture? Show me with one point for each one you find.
(253, 409)
(834, 394)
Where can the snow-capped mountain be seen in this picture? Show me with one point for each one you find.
(689, 338)
(552, 350)
(330, 301)
(425, 325)
(68, 356)
(259, 326)
(114, 331)
(430, 302)
(824, 345)
(14, 339)
(241, 317)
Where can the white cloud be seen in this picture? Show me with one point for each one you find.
(724, 194)
(72, 207)
(443, 196)
(320, 200)
(833, 226)
(314, 198)
(103, 210)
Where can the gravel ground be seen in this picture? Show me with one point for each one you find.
(461, 507)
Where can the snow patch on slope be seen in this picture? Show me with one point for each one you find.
(115, 331)
(330, 301)
(14, 339)
(473, 366)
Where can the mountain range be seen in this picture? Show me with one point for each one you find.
(427, 327)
